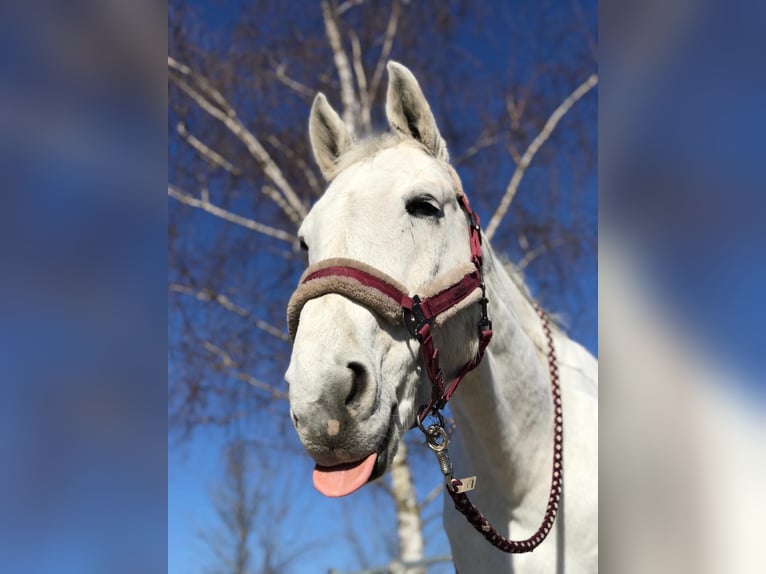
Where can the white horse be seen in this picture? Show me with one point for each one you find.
(356, 379)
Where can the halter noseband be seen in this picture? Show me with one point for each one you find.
(388, 298)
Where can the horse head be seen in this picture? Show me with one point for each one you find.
(392, 206)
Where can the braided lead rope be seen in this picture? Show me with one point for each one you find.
(472, 514)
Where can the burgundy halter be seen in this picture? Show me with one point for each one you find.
(346, 277)
(418, 314)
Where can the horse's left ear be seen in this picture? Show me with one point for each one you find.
(408, 111)
(328, 134)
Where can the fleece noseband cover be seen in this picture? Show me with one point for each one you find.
(387, 298)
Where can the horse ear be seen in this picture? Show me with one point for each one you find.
(408, 111)
(328, 134)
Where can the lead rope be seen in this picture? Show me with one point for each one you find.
(437, 440)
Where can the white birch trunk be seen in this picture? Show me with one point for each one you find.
(408, 519)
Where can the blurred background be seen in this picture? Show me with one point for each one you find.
(513, 86)
(682, 274)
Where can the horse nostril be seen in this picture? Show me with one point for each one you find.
(295, 418)
(357, 381)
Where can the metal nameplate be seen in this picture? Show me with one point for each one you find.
(467, 485)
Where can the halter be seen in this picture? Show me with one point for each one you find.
(420, 314)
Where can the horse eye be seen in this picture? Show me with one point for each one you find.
(422, 207)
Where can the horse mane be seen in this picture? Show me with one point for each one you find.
(516, 276)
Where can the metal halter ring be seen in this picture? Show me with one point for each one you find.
(434, 413)
(433, 436)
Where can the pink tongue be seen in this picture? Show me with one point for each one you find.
(343, 479)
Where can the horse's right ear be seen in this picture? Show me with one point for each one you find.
(329, 136)
(408, 111)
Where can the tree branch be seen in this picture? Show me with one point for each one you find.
(279, 199)
(301, 89)
(431, 496)
(532, 149)
(226, 360)
(311, 178)
(484, 141)
(208, 153)
(229, 305)
(204, 84)
(347, 5)
(340, 58)
(228, 364)
(533, 254)
(205, 205)
(258, 384)
(213, 102)
(385, 51)
(361, 80)
(513, 151)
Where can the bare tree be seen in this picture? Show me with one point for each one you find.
(251, 521)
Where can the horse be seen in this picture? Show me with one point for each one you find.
(394, 222)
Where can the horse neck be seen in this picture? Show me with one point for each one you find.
(503, 409)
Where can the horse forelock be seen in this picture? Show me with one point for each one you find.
(369, 146)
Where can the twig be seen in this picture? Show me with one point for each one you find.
(229, 305)
(347, 5)
(205, 205)
(361, 80)
(279, 199)
(515, 110)
(513, 151)
(533, 254)
(208, 153)
(382, 485)
(431, 496)
(311, 178)
(258, 384)
(484, 141)
(385, 51)
(213, 102)
(586, 32)
(332, 31)
(301, 89)
(532, 149)
(229, 365)
(204, 85)
(226, 360)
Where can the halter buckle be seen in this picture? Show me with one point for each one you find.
(414, 319)
(476, 226)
